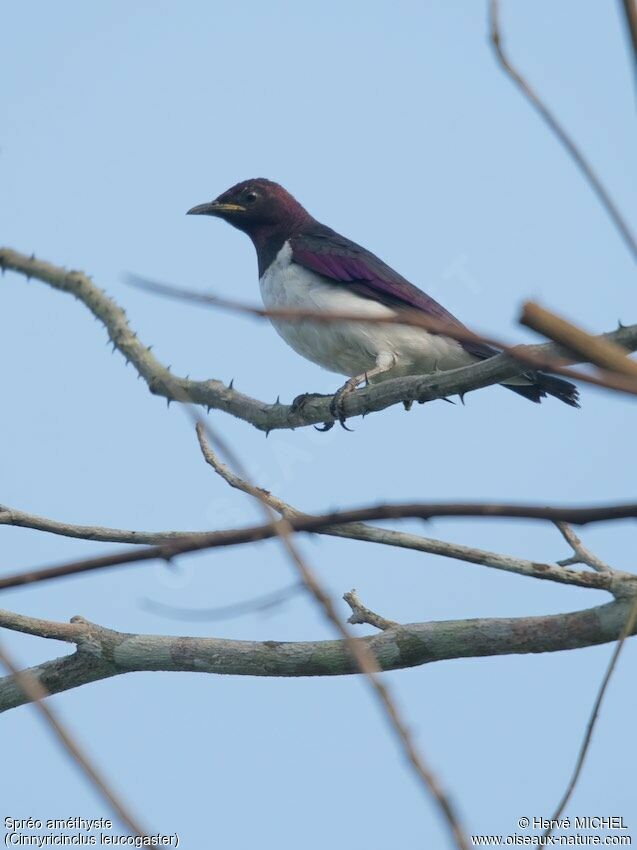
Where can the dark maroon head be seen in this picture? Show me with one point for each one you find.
(263, 210)
(257, 207)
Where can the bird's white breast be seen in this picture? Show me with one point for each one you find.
(349, 348)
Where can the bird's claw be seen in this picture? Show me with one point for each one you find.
(301, 400)
(337, 407)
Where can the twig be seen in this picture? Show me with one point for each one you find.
(630, 12)
(597, 350)
(626, 631)
(268, 417)
(365, 661)
(316, 523)
(552, 122)
(351, 531)
(581, 555)
(35, 693)
(361, 614)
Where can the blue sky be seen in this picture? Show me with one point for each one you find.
(393, 124)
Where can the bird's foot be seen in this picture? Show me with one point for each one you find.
(337, 405)
(301, 400)
(298, 404)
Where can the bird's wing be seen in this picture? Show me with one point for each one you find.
(326, 252)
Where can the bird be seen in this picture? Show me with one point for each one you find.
(305, 265)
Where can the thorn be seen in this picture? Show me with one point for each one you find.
(168, 368)
(278, 400)
(450, 401)
(231, 384)
(461, 397)
(149, 348)
(620, 325)
(267, 432)
(208, 408)
(168, 400)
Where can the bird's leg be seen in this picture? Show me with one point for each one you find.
(384, 362)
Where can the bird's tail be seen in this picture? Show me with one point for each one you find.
(542, 385)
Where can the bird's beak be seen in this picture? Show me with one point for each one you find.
(215, 208)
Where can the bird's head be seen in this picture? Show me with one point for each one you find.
(258, 207)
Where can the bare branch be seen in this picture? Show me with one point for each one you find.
(34, 691)
(401, 316)
(317, 523)
(351, 531)
(581, 555)
(361, 614)
(363, 658)
(102, 653)
(627, 630)
(602, 352)
(630, 12)
(549, 118)
(268, 417)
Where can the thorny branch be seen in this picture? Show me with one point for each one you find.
(267, 417)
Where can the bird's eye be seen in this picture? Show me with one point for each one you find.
(250, 197)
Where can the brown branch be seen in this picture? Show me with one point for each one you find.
(267, 417)
(34, 691)
(351, 531)
(597, 350)
(363, 658)
(316, 523)
(630, 12)
(627, 630)
(549, 118)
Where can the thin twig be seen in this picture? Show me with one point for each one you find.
(36, 694)
(351, 531)
(361, 614)
(364, 659)
(590, 726)
(594, 349)
(316, 523)
(549, 118)
(630, 12)
(581, 554)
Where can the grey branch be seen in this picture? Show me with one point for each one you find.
(362, 614)
(581, 554)
(102, 653)
(267, 417)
